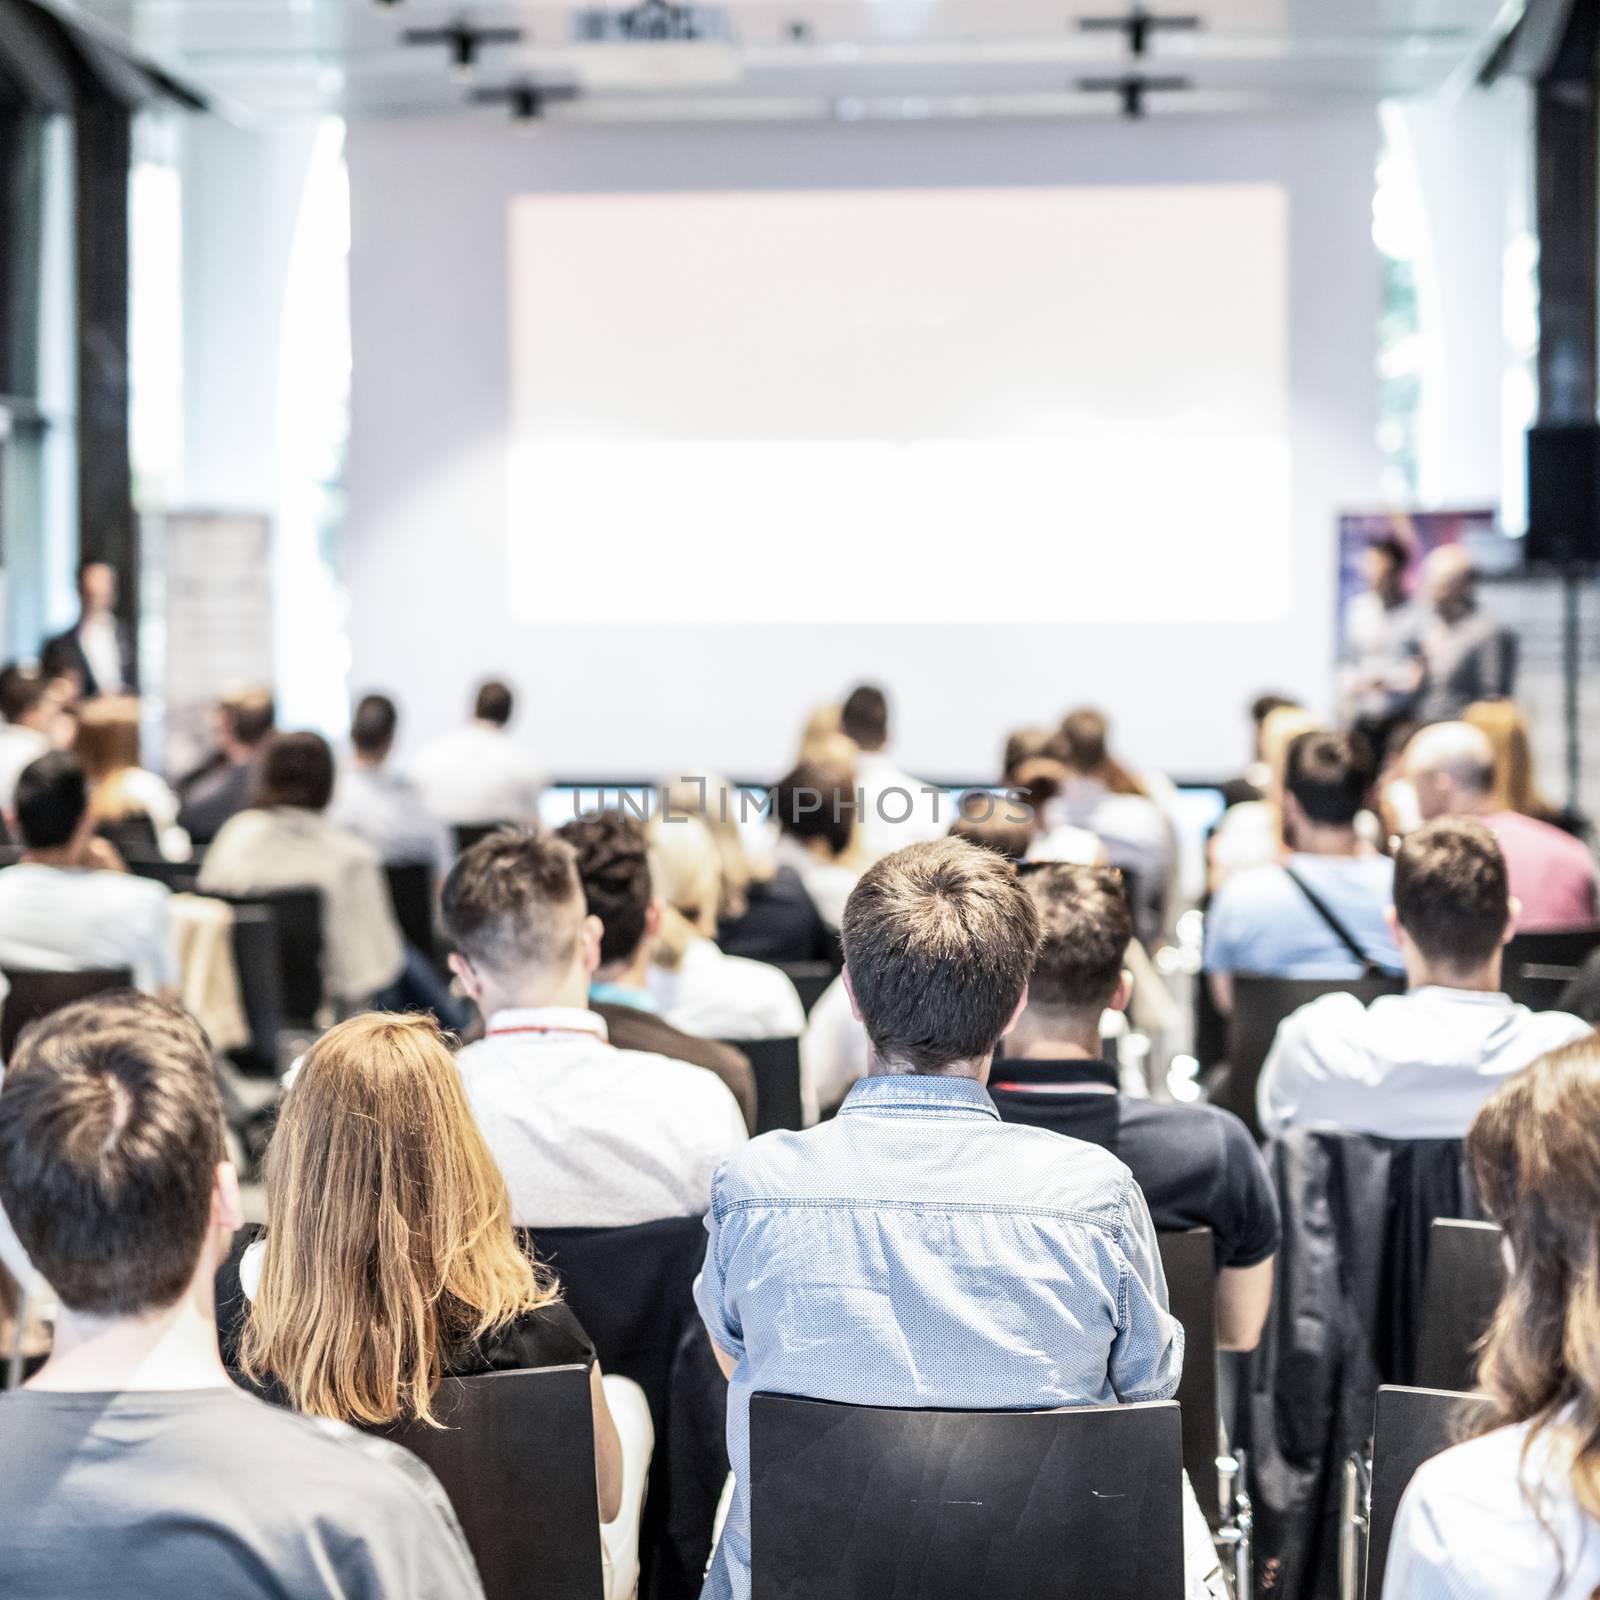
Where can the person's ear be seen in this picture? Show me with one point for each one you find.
(1513, 920)
(227, 1211)
(470, 981)
(1021, 1006)
(1293, 817)
(850, 990)
(1391, 920)
(652, 920)
(589, 937)
(1122, 994)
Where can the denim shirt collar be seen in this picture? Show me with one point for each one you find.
(914, 1092)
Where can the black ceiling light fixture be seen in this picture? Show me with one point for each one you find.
(1133, 87)
(1138, 25)
(464, 42)
(526, 101)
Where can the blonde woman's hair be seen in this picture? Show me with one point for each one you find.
(107, 747)
(389, 1238)
(821, 730)
(720, 806)
(686, 875)
(1516, 785)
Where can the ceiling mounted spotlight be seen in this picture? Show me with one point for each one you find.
(526, 101)
(1133, 88)
(464, 42)
(1138, 25)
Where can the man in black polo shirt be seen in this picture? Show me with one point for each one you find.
(1197, 1165)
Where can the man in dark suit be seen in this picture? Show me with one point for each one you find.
(614, 868)
(97, 650)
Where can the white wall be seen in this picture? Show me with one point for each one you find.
(427, 477)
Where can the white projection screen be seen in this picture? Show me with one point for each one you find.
(828, 406)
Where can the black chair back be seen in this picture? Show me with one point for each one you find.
(776, 1063)
(1188, 1261)
(467, 834)
(133, 837)
(32, 994)
(1537, 967)
(1259, 1005)
(181, 877)
(1461, 1286)
(516, 1458)
(810, 979)
(1409, 1426)
(861, 1502)
(255, 958)
(411, 894)
(297, 919)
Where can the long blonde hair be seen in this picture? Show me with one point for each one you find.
(720, 806)
(389, 1236)
(686, 874)
(1516, 787)
(107, 747)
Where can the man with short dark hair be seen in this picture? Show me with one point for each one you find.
(916, 1251)
(893, 809)
(815, 809)
(225, 785)
(27, 709)
(96, 651)
(1321, 913)
(130, 1464)
(1197, 1165)
(378, 804)
(61, 907)
(613, 859)
(479, 774)
(1419, 1065)
(587, 1135)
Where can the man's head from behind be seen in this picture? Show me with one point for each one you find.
(1085, 928)
(1452, 900)
(864, 717)
(1326, 777)
(112, 1163)
(244, 719)
(493, 703)
(51, 801)
(514, 910)
(22, 694)
(1451, 767)
(939, 940)
(613, 862)
(372, 728)
(296, 770)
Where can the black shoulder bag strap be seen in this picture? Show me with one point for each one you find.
(1369, 967)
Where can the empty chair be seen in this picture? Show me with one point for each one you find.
(1259, 1005)
(1409, 1426)
(776, 1063)
(809, 978)
(1537, 967)
(515, 1454)
(411, 894)
(1461, 1286)
(862, 1502)
(32, 994)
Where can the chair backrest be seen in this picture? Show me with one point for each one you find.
(32, 994)
(297, 917)
(182, 877)
(255, 958)
(1188, 1260)
(860, 1502)
(133, 837)
(1536, 967)
(411, 894)
(467, 834)
(810, 979)
(1461, 1286)
(516, 1458)
(776, 1063)
(1259, 1005)
(1409, 1426)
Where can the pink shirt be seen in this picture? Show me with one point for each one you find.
(1552, 874)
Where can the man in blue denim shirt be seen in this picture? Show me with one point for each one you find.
(917, 1251)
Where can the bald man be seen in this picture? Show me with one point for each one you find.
(1451, 767)
(1466, 654)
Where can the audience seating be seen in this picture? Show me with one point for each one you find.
(776, 1063)
(467, 834)
(255, 956)
(516, 1457)
(181, 877)
(1409, 1427)
(297, 922)
(1259, 1005)
(133, 837)
(810, 978)
(1188, 1261)
(1537, 967)
(862, 1502)
(411, 894)
(32, 994)
(1462, 1285)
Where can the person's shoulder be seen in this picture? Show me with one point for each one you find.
(1551, 1029)
(678, 1083)
(1475, 1477)
(130, 888)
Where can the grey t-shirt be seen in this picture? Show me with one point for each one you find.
(208, 1492)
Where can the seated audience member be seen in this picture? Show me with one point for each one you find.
(130, 1465)
(1516, 779)
(695, 985)
(1253, 782)
(225, 785)
(1516, 1509)
(1025, 744)
(916, 1251)
(29, 711)
(821, 735)
(815, 810)
(1251, 833)
(1197, 1165)
(131, 807)
(892, 809)
(587, 1135)
(613, 861)
(995, 823)
(376, 803)
(64, 907)
(1040, 781)
(1418, 1065)
(1466, 654)
(479, 773)
(1451, 767)
(285, 841)
(1320, 914)
(389, 1262)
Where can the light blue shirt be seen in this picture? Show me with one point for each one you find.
(1260, 922)
(917, 1251)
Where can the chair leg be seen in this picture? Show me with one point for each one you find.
(1354, 1519)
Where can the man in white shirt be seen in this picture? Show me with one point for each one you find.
(26, 705)
(479, 774)
(1419, 1065)
(96, 649)
(60, 911)
(894, 810)
(587, 1135)
(374, 802)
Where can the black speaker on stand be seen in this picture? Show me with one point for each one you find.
(1564, 532)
